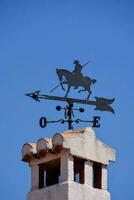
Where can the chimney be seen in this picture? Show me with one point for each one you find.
(70, 165)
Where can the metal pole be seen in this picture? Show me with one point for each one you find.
(69, 113)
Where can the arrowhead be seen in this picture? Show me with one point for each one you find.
(34, 95)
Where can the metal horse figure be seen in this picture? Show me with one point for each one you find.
(68, 78)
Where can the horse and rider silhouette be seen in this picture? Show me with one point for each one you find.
(75, 79)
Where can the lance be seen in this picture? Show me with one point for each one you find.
(86, 64)
(57, 86)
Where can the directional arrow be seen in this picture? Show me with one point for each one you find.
(101, 104)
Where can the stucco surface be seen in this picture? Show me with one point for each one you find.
(54, 192)
(69, 191)
(85, 192)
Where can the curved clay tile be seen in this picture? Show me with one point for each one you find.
(57, 142)
(43, 145)
(58, 138)
(28, 150)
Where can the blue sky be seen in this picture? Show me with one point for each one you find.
(36, 37)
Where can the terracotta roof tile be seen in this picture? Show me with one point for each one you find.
(48, 139)
(33, 145)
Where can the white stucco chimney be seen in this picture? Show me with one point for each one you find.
(71, 165)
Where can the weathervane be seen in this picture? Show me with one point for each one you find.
(74, 79)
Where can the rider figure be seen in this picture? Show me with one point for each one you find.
(77, 71)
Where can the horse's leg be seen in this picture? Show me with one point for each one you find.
(86, 90)
(62, 85)
(67, 91)
(89, 94)
(82, 90)
(60, 76)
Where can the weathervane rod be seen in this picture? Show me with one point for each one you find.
(101, 104)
